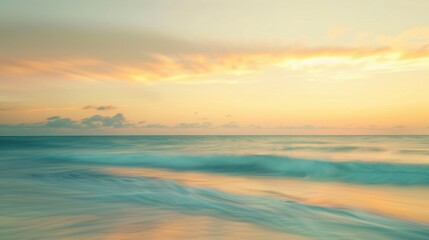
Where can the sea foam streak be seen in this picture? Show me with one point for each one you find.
(59, 187)
(262, 165)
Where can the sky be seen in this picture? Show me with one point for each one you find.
(214, 67)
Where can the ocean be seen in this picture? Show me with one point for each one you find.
(214, 187)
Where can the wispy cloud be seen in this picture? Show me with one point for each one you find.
(194, 125)
(311, 127)
(255, 126)
(154, 125)
(230, 125)
(97, 55)
(191, 66)
(307, 127)
(99, 108)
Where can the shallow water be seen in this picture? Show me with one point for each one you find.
(214, 187)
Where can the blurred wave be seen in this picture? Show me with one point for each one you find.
(265, 165)
(58, 188)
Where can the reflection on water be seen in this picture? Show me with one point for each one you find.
(180, 226)
(404, 202)
(214, 187)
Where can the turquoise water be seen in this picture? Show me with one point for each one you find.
(214, 187)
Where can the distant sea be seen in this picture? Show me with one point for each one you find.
(214, 187)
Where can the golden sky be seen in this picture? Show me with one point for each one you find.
(214, 67)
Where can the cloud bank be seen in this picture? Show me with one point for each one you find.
(99, 122)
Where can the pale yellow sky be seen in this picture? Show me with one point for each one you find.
(214, 67)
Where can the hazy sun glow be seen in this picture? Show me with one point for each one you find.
(254, 70)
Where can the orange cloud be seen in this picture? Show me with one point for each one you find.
(166, 59)
(190, 66)
(413, 36)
